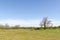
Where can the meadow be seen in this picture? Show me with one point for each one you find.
(27, 34)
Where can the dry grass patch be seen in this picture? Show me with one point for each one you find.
(26, 34)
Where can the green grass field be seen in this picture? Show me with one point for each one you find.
(26, 34)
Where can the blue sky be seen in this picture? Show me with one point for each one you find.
(29, 9)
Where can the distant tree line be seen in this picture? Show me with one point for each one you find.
(35, 28)
(44, 24)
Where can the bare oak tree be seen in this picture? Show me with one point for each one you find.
(45, 22)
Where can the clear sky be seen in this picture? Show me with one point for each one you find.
(29, 10)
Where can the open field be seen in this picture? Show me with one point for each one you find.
(26, 34)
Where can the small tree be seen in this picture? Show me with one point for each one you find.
(6, 25)
(45, 23)
(17, 26)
